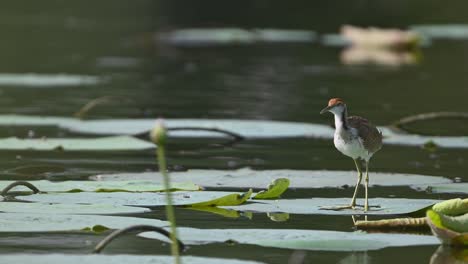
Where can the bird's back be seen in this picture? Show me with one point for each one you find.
(369, 134)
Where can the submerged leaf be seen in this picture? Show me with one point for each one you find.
(274, 189)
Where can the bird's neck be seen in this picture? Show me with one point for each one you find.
(341, 119)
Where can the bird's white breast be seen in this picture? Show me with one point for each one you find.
(348, 143)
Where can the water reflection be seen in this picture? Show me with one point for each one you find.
(362, 55)
(449, 255)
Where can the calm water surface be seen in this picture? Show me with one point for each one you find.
(115, 40)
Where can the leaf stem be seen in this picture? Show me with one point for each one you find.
(169, 207)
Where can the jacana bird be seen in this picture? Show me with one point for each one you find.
(356, 138)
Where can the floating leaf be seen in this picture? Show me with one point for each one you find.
(194, 37)
(274, 189)
(444, 188)
(199, 199)
(242, 128)
(299, 239)
(113, 259)
(248, 178)
(48, 222)
(75, 144)
(46, 80)
(386, 206)
(447, 31)
(94, 186)
(48, 208)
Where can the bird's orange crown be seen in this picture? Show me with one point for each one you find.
(335, 101)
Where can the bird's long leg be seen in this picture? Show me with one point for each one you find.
(352, 205)
(366, 181)
(353, 201)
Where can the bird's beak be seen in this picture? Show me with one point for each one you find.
(326, 109)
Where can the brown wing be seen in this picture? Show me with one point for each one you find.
(370, 135)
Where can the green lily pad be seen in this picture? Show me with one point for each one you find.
(274, 189)
(461, 188)
(387, 206)
(299, 239)
(248, 178)
(49, 222)
(46, 80)
(113, 259)
(95, 186)
(48, 208)
(199, 199)
(76, 144)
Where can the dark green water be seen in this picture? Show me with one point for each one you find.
(290, 82)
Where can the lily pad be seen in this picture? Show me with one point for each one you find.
(444, 188)
(113, 259)
(299, 239)
(248, 178)
(386, 206)
(48, 208)
(447, 31)
(199, 199)
(24, 222)
(194, 37)
(390, 206)
(243, 128)
(46, 80)
(94, 186)
(75, 144)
